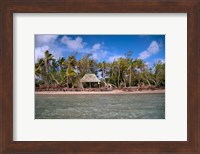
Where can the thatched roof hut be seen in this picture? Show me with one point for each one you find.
(89, 78)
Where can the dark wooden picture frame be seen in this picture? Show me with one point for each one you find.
(8, 7)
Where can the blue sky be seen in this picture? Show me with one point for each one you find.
(150, 48)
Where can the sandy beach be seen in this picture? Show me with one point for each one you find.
(103, 92)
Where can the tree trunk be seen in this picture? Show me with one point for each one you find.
(112, 73)
(67, 77)
(130, 77)
(103, 73)
(153, 81)
(46, 66)
(118, 76)
(46, 70)
(148, 82)
(146, 78)
(139, 79)
(124, 80)
(140, 74)
(54, 79)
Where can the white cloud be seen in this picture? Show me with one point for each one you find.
(97, 51)
(115, 58)
(99, 55)
(103, 53)
(96, 46)
(39, 52)
(41, 40)
(159, 59)
(45, 42)
(75, 44)
(95, 56)
(152, 49)
(163, 60)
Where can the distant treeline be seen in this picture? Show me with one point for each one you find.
(124, 72)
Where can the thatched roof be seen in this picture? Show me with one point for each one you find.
(90, 78)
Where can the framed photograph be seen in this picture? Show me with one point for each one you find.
(99, 76)
(89, 77)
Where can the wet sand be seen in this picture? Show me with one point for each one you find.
(103, 92)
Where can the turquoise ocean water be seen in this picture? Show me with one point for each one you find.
(100, 106)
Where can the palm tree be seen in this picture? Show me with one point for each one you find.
(68, 72)
(139, 63)
(71, 76)
(132, 64)
(113, 70)
(118, 67)
(54, 74)
(62, 69)
(83, 65)
(128, 56)
(112, 65)
(102, 67)
(122, 70)
(71, 63)
(160, 73)
(146, 75)
(61, 62)
(39, 68)
(47, 59)
(92, 66)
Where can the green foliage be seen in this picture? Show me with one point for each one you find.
(122, 72)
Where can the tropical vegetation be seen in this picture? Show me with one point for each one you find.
(123, 72)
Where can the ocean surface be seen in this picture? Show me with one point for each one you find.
(100, 106)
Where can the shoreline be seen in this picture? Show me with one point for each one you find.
(160, 91)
